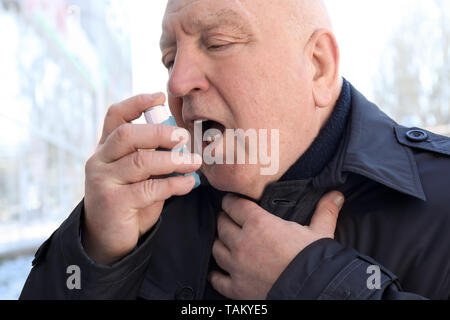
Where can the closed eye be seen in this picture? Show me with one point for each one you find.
(218, 47)
(169, 64)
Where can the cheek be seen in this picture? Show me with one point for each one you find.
(262, 86)
(245, 89)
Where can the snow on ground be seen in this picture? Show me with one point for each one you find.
(20, 238)
(13, 274)
(17, 233)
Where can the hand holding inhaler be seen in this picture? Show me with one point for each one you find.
(121, 203)
(160, 115)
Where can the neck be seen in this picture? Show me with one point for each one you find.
(323, 148)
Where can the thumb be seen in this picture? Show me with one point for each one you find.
(326, 215)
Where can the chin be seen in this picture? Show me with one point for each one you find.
(240, 179)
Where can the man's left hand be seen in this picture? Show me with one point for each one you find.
(255, 247)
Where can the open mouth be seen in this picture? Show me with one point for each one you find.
(211, 131)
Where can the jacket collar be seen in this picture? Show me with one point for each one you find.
(369, 148)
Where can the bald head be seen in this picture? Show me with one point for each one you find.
(304, 16)
(311, 13)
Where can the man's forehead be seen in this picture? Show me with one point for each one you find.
(300, 16)
(198, 15)
(178, 5)
(197, 10)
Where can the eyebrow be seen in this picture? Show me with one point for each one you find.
(224, 17)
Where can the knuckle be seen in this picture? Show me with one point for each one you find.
(94, 175)
(257, 221)
(148, 189)
(138, 160)
(124, 132)
(89, 166)
(215, 249)
(112, 110)
(157, 130)
(160, 131)
(143, 99)
(220, 220)
(248, 206)
(218, 282)
(215, 281)
(330, 208)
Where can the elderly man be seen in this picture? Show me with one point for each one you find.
(252, 64)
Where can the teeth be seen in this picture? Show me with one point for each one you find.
(212, 138)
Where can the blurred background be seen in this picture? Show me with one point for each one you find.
(63, 62)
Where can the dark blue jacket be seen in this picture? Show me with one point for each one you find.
(396, 181)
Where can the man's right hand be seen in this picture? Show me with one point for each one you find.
(122, 200)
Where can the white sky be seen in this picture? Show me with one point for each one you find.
(361, 26)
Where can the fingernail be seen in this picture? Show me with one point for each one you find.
(339, 201)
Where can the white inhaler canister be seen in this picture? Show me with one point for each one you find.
(161, 115)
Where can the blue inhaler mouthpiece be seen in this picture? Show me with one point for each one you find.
(161, 115)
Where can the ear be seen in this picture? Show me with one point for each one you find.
(323, 52)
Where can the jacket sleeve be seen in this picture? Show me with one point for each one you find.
(53, 273)
(325, 270)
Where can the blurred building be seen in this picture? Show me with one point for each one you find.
(63, 62)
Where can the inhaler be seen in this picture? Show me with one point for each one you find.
(161, 115)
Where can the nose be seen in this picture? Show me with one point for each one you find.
(187, 75)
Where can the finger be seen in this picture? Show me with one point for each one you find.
(228, 230)
(327, 212)
(149, 216)
(129, 110)
(142, 164)
(146, 193)
(239, 209)
(128, 138)
(221, 283)
(222, 256)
